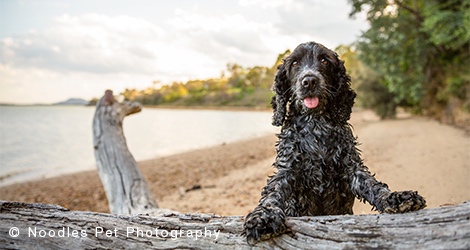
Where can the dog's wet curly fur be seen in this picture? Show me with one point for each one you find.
(319, 168)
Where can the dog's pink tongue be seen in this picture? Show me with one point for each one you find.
(311, 102)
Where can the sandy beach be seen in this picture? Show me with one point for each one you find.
(409, 153)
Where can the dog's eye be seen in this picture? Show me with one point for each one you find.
(324, 61)
(295, 64)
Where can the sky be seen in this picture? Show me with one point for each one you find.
(53, 50)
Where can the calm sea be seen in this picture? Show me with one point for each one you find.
(43, 141)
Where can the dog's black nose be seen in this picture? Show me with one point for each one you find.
(309, 81)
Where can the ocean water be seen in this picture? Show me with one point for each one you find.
(44, 141)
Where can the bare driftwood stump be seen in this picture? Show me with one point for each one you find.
(125, 187)
(26, 226)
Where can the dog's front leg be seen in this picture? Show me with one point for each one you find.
(366, 187)
(267, 220)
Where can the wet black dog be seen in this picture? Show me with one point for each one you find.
(319, 168)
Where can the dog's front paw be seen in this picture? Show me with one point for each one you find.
(402, 202)
(264, 223)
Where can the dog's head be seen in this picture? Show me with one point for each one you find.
(312, 79)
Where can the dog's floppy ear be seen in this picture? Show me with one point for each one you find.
(282, 93)
(340, 107)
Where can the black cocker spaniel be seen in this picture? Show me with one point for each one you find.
(319, 168)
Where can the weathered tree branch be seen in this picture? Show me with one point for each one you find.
(51, 226)
(414, 11)
(125, 187)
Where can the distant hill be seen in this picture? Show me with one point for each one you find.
(73, 101)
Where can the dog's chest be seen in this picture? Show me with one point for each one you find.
(320, 142)
(317, 151)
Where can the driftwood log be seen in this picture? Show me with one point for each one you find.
(27, 226)
(125, 186)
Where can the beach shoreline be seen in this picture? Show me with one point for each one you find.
(409, 153)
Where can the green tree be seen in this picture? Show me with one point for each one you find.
(237, 77)
(130, 94)
(281, 57)
(420, 48)
(366, 82)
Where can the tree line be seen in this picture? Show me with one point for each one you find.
(415, 55)
(237, 86)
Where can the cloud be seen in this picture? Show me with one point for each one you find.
(89, 43)
(327, 21)
(31, 85)
(189, 44)
(192, 45)
(79, 56)
(77, 53)
(229, 38)
(265, 4)
(82, 53)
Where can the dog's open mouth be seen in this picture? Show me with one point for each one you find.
(311, 102)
